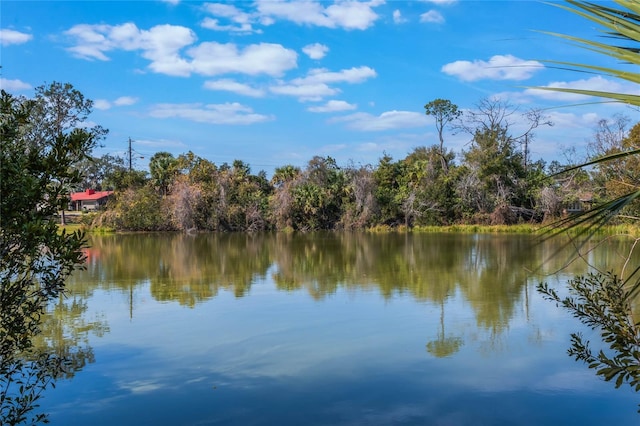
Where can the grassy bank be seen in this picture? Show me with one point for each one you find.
(481, 229)
(72, 227)
(622, 229)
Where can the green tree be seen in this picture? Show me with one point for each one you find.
(281, 200)
(427, 188)
(387, 177)
(617, 177)
(163, 168)
(139, 209)
(498, 166)
(58, 107)
(98, 172)
(240, 199)
(318, 195)
(121, 179)
(495, 179)
(36, 170)
(444, 112)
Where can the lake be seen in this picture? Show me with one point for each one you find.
(327, 329)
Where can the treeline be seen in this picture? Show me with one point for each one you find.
(493, 183)
(192, 193)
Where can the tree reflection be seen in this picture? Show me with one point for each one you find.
(66, 331)
(443, 346)
(178, 268)
(490, 272)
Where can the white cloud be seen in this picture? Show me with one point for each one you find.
(349, 15)
(393, 144)
(315, 51)
(597, 83)
(306, 92)
(315, 85)
(499, 67)
(213, 58)
(228, 113)
(162, 46)
(229, 85)
(214, 24)
(13, 85)
(432, 16)
(565, 121)
(241, 22)
(397, 17)
(125, 101)
(9, 37)
(386, 121)
(121, 101)
(101, 104)
(160, 143)
(173, 2)
(351, 75)
(333, 106)
(441, 2)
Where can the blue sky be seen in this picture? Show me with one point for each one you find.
(275, 82)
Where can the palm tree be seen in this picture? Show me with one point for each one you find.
(623, 26)
(604, 301)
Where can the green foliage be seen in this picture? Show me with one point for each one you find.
(620, 176)
(604, 302)
(444, 112)
(387, 177)
(620, 23)
(139, 210)
(36, 170)
(317, 197)
(601, 302)
(163, 168)
(415, 191)
(498, 165)
(427, 187)
(99, 172)
(121, 179)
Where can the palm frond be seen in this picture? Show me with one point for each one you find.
(621, 23)
(620, 97)
(603, 159)
(587, 223)
(626, 54)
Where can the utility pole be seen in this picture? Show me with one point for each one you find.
(129, 154)
(526, 151)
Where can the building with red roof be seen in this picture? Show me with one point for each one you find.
(89, 199)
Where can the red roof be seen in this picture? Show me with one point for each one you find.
(90, 194)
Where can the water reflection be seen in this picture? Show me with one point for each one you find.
(444, 346)
(490, 271)
(66, 332)
(182, 268)
(208, 322)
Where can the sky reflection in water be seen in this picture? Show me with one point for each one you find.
(327, 329)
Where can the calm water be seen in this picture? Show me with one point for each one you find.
(325, 329)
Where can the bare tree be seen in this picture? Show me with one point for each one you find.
(492, 114)
(186, 204)
(360, 188)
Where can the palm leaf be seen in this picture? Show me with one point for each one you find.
(620, 24)
(603, 159)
